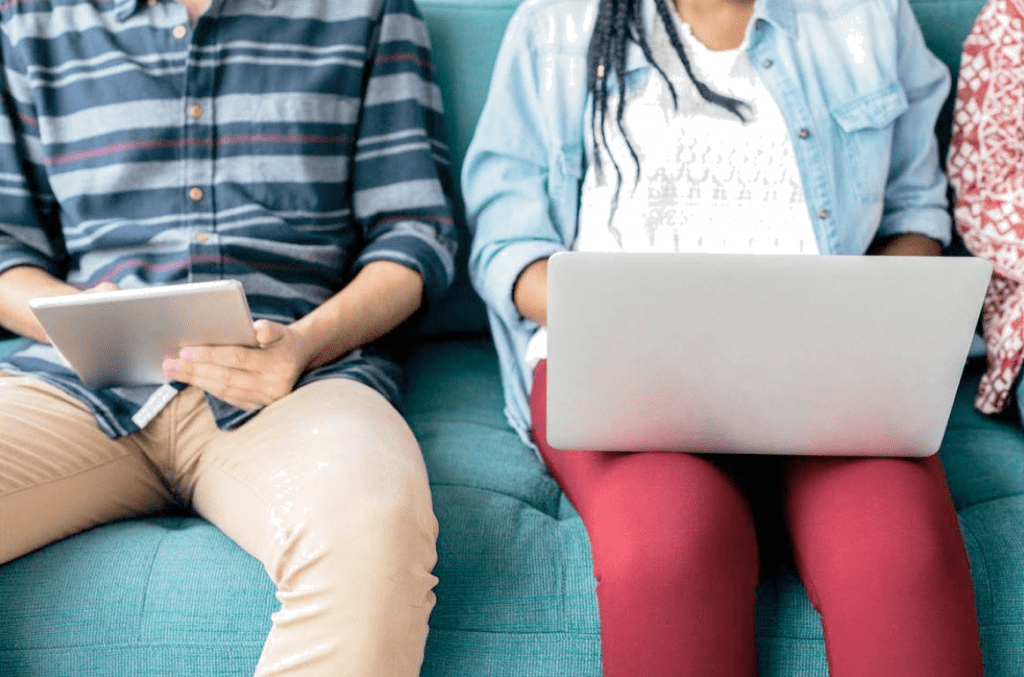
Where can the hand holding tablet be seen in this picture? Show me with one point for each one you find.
(120, 337)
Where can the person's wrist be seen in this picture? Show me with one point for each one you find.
(310, 346)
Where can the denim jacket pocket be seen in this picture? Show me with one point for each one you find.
(866, 135)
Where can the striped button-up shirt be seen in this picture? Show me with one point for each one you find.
(283, 143)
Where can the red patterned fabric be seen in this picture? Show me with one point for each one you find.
(986, 170)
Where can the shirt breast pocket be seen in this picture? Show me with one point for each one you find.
(297, 146)
(866, 127)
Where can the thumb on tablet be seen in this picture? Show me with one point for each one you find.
(102, 286)
(267, 332)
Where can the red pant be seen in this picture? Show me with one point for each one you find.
(876, 543)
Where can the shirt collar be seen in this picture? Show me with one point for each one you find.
(777, 12)
(124, 9)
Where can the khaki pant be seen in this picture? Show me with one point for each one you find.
(326, 487)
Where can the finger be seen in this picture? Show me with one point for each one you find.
(232, 357)
(237, 388)
(102, 286)
(197, 373)
(267, 332)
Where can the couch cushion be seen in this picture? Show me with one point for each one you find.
(143, 597)
(994, 536)
(984, 461)
(516, 595)
(514, 554)
(983, 455)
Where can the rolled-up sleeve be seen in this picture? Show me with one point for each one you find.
(507, 178)
(401, 169)
(916, 192)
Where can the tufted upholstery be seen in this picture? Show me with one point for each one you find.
(170, 595)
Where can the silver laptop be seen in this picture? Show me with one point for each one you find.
(826, 355)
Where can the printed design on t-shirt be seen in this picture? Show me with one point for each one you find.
(708, 182)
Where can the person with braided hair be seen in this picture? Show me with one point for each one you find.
(766, 126)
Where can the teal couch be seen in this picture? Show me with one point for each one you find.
(169, 595)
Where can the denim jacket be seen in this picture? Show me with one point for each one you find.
(853, 78)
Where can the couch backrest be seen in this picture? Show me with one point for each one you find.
(945, 24)
(466, 35)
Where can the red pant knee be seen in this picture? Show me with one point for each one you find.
(879, 549)
(675, 555)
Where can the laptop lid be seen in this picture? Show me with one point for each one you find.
(757, 354)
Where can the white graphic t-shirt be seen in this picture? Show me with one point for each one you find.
(708, 182)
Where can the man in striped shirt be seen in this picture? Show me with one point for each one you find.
(296, 146)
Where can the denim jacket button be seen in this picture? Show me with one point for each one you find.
(767, 63)
(804, 133)
(823, 214)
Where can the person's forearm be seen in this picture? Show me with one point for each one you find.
(908, 244)
(380, 297)
(530, 293)
(17, 286)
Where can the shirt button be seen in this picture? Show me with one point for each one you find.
(195, 193)
(196, 111)
(823, 214)
(202, 237)
(179, 32)
(804, 133)
(767, 63)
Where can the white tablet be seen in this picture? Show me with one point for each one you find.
(119, 338)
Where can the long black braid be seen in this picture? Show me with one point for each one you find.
(619, 22)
